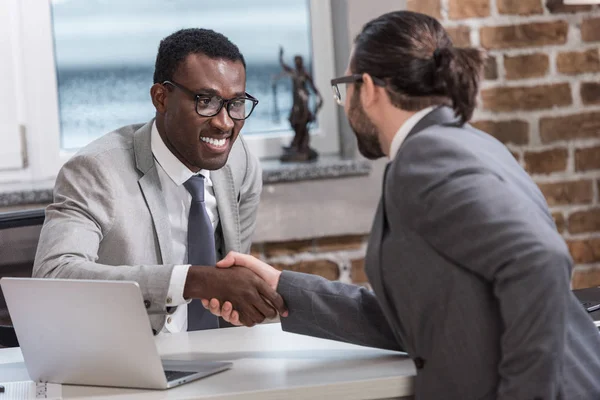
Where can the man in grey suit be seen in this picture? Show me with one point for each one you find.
(470, 276)
(157, 203)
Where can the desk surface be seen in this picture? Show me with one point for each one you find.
(267, 364)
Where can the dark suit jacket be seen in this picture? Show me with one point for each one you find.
(470, 277)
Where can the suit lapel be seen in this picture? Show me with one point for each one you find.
(373, 258)
(229, 217)
(151, 189)
(439, 116)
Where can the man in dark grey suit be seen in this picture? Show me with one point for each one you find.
(470, 276)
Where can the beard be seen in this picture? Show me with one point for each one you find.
(365, 131)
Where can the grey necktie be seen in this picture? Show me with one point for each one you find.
(201, 250)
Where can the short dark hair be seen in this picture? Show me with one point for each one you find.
(177, 46)
(414, 55)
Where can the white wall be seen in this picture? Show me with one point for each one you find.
(362, 11)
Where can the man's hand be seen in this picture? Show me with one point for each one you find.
(252, 296)
(263, 270)
(226, 312)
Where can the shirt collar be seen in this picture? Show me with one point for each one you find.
(174, 168)
(405, 129)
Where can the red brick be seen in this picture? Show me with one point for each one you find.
(526, 35)
(590, 30)
(585, 251)
(358, 273)
(567, 192)
(559, 7)
(577, 126)
(559, 220)
(587, 158)
(460, 35)
(429, 7)
(325, 268)
(338, 243)
(584, 221)
(504, 99)
(546, 162)
(585, 277)
(526, 66)
(590, 92)
(520, 7)
(578, 62)
(462, 9)
(514, 131)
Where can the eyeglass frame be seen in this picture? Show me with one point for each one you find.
(224, 102)
(354, 78)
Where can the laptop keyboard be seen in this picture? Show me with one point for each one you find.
(591, 306)
(174, 375)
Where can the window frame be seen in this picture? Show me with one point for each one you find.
(36, 92)
(325, 138)
(10, 136)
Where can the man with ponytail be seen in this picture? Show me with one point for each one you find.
(470, 276)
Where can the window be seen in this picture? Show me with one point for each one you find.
(87, 68)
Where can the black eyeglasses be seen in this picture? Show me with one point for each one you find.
(238, 108)
(339, 93)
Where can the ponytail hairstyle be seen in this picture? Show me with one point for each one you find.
(415, 57)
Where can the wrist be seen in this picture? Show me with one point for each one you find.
(195, 282)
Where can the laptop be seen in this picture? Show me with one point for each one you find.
(590, 300)
(92, 332)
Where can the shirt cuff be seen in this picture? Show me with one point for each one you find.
(176, 286)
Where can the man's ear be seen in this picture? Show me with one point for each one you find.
(158, 93)
(368, 92)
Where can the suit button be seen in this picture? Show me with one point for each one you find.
(419, 362)
(147, 303)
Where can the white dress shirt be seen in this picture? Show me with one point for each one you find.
(173, 174)
(405, 129)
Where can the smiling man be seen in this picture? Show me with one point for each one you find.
(159, 203)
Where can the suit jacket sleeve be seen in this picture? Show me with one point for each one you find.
(334, 310)
(82, 213)
(482, 224)
(250, 191)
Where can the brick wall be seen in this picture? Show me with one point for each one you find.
(541, 97)
(335, 258)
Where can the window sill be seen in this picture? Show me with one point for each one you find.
(21, 194)
(325, 167)
(274, 171)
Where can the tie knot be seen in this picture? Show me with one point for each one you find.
(195, 185)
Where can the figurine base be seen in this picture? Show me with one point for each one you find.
(291, 155)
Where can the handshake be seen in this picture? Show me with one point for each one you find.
(239, 281)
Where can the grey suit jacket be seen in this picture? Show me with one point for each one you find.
(109, 218)
(470, 277)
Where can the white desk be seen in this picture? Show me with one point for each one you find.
(268, 364)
